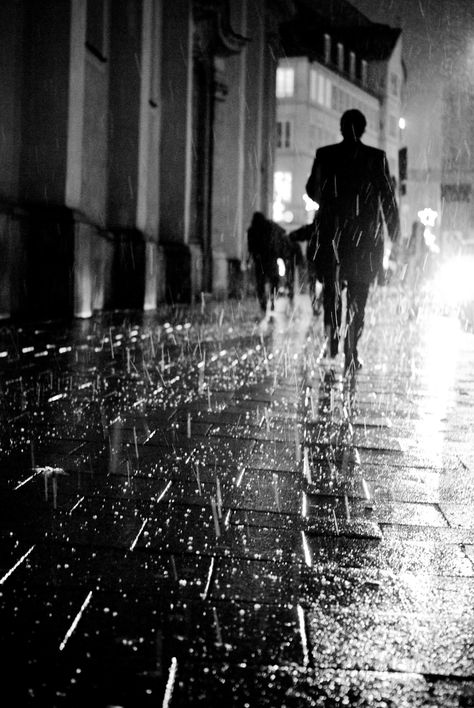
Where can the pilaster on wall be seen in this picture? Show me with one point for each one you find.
(177, 87)
(12, 265)
(93, 257)
(228, 232)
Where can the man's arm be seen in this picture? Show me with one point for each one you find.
(389, 202)
(313, 185)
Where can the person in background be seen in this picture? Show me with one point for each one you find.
(351, 183)
(265, 240)
(306, 233)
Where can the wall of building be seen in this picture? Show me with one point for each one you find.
(314, 116)
(105, 116)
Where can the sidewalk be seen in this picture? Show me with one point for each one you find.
(194, 512)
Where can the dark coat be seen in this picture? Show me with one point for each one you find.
(266, 242)
(352, 185)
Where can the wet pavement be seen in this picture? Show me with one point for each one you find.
(197, 510)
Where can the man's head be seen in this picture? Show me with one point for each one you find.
(258, 218)
(353, 124)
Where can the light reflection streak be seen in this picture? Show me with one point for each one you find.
(75, 621)
(163, 492)
(19, 562)
(306, 551)
(209, 578)
(76, 504)
(303, 636)
(441, 341)
(135, 541)
(304, 506)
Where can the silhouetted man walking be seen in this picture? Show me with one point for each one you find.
(352, 185)
(266, 243)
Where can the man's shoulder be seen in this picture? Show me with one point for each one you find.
(328, 149)
(375, 153)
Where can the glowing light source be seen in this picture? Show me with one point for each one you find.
(281, 267)
(428, 216)
(309, 204)
(282, 190)
(454, 283)
(428, 219)
(402, 124)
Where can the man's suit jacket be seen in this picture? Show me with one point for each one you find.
(352, 185)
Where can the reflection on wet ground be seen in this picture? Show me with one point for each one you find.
(197, 508)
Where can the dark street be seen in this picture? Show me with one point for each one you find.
(197, 511)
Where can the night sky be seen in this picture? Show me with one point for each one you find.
(438, 42)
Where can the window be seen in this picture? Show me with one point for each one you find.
(394, 84)
(340, 56)
(96, 28)
(328, 94)
(285, 82)
(352, 65)
(155, 55)
(284, 134)
(456, 192)
(313, 85)
(392, 126)
(282, 184)
(320, 88)
(327, 48)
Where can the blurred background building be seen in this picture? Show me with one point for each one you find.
(137, 140)
(335, 59)
(139, 136)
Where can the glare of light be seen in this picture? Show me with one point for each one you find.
(280, 213)
(428, 216)
(84, 314)
(281, 267)
(309, 204)
(402, 124)
(454, 283)
(282, 191)
(430, 240)
(441, 337)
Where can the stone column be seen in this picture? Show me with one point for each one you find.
(175, 156)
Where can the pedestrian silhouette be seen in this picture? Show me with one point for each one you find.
(266, 243)
(352, 185)
(307, 233)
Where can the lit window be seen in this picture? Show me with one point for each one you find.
(313, 85)
(340, 56)
(321, 85)
(282, 189)
(285, 82)
(352, 65)
(328, 94)
(284, 134)
(327, 48)
(282, 185)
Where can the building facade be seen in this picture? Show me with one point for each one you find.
(135, 147)
(332, 64)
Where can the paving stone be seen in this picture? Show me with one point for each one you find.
(264, 577)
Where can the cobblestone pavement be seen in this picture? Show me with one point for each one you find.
(195, 510)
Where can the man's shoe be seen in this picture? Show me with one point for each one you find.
(352, 365)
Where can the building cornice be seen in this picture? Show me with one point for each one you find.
(225, 41)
